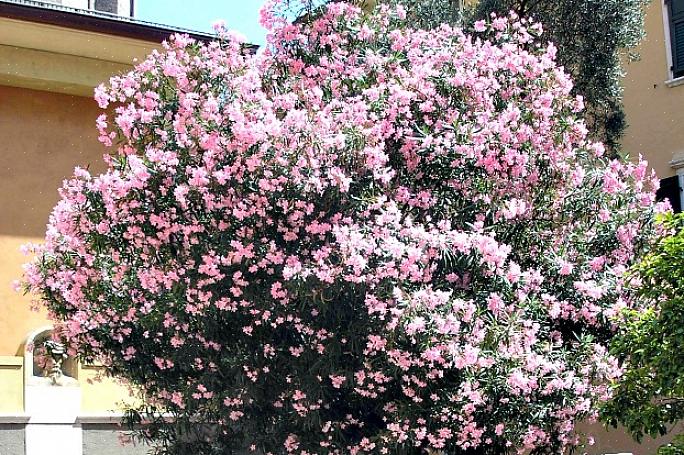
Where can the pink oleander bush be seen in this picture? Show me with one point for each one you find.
(365, 239)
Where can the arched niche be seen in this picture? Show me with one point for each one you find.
(34, 371)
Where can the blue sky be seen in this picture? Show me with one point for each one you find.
(242, 15)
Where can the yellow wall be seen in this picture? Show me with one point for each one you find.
(100, 393)
(654, 110)
(43, 137)
(11, 384)
(47, 127)
(656, 131)
(16, 319)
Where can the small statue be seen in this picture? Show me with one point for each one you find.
(57, 353)
(49, 358)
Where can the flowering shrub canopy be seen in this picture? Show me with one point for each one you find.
(366, 239)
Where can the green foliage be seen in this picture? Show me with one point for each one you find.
(676, 447)
(431, 13)
(649, 400)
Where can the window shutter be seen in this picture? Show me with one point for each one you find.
(106, 6)
(677, 36)
(669, 189)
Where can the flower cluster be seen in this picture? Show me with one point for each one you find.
(365, 239)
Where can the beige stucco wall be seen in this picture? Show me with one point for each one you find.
(47, 127)
(655, 112)
(102, 393)
(617, 441)
(11, 384)
(43, 136)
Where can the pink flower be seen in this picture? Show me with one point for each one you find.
(337, 381)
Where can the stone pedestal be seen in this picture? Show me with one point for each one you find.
(52, 426)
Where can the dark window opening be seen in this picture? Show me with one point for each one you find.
(670, 190)
(107, 6)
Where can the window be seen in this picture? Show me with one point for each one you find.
(675, 11)
(111, 6)
(670, 190)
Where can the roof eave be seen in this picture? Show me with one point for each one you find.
(99, 23)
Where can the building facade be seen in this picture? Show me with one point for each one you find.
(654, 97)
(52, 55)
(123, 8)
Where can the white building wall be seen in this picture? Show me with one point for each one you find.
(123, 7)
(83, 4)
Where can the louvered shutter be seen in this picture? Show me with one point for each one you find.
(669, 189)
(676, 8)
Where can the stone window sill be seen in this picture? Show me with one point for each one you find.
(675, 82)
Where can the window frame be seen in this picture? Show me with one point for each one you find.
(674, 78)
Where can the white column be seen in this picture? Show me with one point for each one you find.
(52, 425)
(64, 439)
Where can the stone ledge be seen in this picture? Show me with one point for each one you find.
(671, 84)
(11, 361)
(14, 418)
(100, 418)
